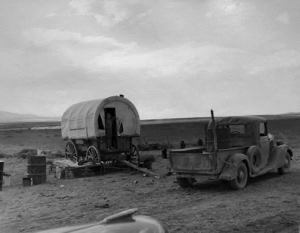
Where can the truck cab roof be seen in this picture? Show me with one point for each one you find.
(237, 120)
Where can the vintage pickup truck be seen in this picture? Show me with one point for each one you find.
(235, 149)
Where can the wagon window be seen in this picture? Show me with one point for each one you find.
(100, 123)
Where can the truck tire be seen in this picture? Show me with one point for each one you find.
(241, 179)
(185, 182)
(287, 166)
(255, 159)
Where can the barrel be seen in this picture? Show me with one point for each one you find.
(1, 174)
(36, 169)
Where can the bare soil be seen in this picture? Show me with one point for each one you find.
(268, 204)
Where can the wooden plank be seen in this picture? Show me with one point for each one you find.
(78, 172)
(144, 170)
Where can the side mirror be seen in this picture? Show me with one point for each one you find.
(270, 137)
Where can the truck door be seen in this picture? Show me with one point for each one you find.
(264, 143)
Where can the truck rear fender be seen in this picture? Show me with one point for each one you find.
(229, 170)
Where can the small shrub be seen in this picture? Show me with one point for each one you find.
(57, 154)
(143, 147)
(154, 146)
(3, 155)
(25, 153)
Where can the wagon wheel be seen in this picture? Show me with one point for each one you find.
(71, 152)
(133, 154)
(92, 154)
(133, 150)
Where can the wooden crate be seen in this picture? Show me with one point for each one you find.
(79, 172)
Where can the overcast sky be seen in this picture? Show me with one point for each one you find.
(171, 58)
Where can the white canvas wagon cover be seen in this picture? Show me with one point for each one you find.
(81, 120)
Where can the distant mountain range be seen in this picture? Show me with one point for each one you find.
(8, 117)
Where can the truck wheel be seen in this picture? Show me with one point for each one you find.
(241, 178)
(255, 158)
(287, 165)
(185, 182)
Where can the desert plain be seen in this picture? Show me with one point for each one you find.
(270, 203)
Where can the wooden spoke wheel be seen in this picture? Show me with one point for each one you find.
(133, 150)
(93, 154)
(71, 152)
(133, 154)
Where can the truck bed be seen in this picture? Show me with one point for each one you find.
(192, 160)
(196, 160)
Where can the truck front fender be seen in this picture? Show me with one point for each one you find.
(230, 168)
(280, 154)
(286, 148)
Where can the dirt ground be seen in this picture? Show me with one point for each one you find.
(268, 204)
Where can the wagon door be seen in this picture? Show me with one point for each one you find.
(110, 127)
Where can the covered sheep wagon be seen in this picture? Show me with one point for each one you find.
(101, 130)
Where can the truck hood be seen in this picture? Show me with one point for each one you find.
(119, 223)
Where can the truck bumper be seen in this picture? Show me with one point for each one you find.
(197, 176)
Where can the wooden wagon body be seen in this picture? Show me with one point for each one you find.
(100, 130)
